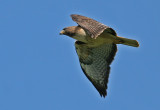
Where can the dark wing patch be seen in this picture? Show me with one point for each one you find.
(111, 31)
(93, 27)
(96, 64)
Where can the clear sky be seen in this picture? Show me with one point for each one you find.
(39, 69)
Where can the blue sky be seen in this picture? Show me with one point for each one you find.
(39, 69)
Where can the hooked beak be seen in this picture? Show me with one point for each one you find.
(62, 32)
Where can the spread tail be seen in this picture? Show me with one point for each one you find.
(125, 41)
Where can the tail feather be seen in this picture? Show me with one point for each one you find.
(125, 41)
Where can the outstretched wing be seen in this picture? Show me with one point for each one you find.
(93, 27)
(95, 63)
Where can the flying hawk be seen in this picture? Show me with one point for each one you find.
(96, 47)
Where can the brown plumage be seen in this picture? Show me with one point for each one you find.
(96, 48)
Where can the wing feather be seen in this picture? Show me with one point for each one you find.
(95, 63)
(93, 27)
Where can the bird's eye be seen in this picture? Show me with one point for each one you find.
(64, 29)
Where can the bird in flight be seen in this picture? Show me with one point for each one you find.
(96, 46)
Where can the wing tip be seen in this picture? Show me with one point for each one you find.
(74, 15)
(104, 94)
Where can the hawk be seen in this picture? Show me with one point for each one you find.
(96, 46)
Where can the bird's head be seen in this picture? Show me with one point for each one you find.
(69, 31)
(75, 32)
